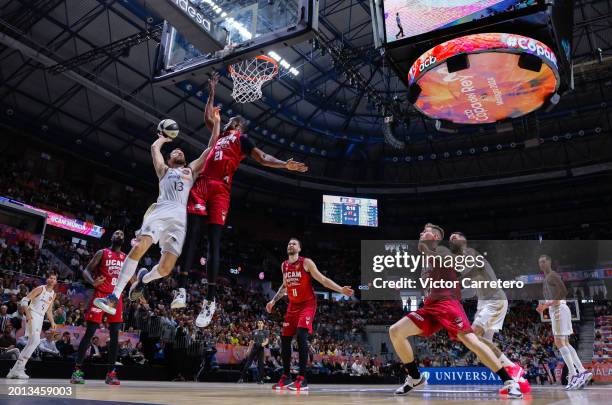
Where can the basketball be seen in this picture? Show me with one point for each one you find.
(168, 128)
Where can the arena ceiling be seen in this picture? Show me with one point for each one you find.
(105, 106)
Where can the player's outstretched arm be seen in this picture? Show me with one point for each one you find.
(311, 267)
(91, 266)
(197, 164)
(208, 111)
(270, 161)
(158, 159)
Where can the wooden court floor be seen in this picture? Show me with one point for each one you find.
(185, 393)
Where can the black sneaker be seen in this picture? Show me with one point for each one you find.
(283, 382)
(300, 384)
(240, 381)
(260, 382)
(410, 384)
(137, 289)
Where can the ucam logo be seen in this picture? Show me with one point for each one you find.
(188, 8)
(425, 375)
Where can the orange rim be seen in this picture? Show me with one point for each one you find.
(256, 78)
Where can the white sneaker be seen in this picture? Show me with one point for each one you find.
(17, 374)
(205, 316)
(583, 379)
(513, 389)
(571, 382)
(180, 299)
(410, 384)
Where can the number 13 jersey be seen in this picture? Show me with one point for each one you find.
(174, 186)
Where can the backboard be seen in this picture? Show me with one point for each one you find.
(204, 35)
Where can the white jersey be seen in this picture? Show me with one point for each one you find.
(174, 186)
(41, 302)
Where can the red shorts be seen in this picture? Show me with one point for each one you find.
(299, 315)
(447, 314)
(210, 197)
(95, 314)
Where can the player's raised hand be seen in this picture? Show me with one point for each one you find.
(98, 281)
(296, 166)
(269, 307)
(347, 290)
(212, 82)
(163, 139)
(541, 308)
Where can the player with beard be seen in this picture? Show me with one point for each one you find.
(298, 273)
(165, 220)
(492, 307)
(442, 309)
(102, 273)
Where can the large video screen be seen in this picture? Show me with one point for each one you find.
(350, 210)
(411, 18)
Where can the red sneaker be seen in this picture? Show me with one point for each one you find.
(283, 382)
(300, 384)
(111, 378)
(516, 372)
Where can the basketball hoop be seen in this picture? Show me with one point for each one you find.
(249, 75)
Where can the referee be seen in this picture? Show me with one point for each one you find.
(257, 345)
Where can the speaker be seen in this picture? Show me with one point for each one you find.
(531, 62)
(413, 93)
(457, 63)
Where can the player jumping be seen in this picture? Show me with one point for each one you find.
(298, 273)
(40, 302)
(442, 309)
(210, 197)
(164, 222)
(561, 320)
(492, 307)
(102, 272)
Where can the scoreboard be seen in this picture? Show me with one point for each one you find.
(350, 210)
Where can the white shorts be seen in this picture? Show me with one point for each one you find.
(167, 225)
(490, 314)
(35, 327)
(561, 319)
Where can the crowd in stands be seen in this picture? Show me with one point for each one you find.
(602, 344)
(338, 346)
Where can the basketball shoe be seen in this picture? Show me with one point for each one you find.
(410, 384)
(206, 314)
(180, 299)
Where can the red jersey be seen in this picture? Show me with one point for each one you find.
(110, 266)
(435, 271)
(298, 281)
(223, 161)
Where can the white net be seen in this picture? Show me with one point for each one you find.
(249, 75)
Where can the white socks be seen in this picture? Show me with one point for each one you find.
(127, 271)
(576, 359)
(152, 275)
(567, 358)
(505, 362)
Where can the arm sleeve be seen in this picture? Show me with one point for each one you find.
(246, 144)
